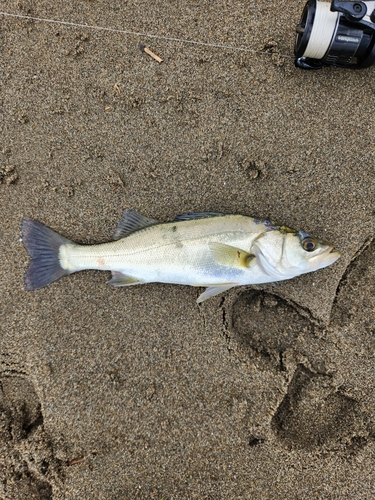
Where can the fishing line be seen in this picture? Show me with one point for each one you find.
(148, 35)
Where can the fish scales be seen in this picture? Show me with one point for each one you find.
(174, 252)
(214, 250)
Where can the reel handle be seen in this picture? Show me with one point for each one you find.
(354, 11)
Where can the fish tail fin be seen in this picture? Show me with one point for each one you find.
(43, 246)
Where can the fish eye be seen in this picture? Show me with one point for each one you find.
(309, 244)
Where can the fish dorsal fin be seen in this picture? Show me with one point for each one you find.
(132, 221)
(231, 256)
(214, 290)
(198, 215)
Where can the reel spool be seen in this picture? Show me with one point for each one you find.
(337, 34)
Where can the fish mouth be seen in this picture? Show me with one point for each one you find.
(327, 257)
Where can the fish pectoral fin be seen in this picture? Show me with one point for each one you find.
(231, 256)
(211, 291)
(120, 279)
(132, 221)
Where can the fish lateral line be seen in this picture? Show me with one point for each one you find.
(231, 250)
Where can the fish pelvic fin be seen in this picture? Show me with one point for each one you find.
(231, 256)
(120, 279)
(132, 221)
(211, 291)
(43, 246)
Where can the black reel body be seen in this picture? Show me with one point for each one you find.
(336, 34)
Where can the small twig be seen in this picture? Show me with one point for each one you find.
(116, 89)
(75, 461)
(150, 53)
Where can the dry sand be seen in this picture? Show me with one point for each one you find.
(257, 394)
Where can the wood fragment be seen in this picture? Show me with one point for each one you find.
(150, 53)
(75, 461)
(116, 89)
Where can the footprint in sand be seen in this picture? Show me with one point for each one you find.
(327, 398)
(27, 464)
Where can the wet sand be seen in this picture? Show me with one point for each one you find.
(260, 393)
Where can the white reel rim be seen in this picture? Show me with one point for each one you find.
(322, 32)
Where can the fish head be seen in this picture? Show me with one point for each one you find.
(284, 253)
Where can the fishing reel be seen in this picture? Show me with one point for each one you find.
(337, 34)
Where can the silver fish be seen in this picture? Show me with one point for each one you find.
(212, 250)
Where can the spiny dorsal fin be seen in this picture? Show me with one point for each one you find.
(198, 215)
(132, 221)
(231, 256)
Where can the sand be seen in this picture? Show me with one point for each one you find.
(261, 393)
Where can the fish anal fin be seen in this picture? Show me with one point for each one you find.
(132, 221)
(211, 291)
(120, 279)
(231, 256)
